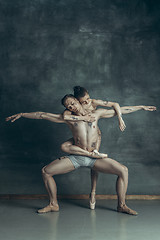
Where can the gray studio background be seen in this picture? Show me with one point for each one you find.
(111, 47)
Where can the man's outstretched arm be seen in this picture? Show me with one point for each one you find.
(37, 115)
(103, 113)
(130, 109)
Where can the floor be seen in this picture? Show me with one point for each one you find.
(19, 221)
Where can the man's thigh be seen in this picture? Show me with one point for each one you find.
(60, 166)
(108, 165)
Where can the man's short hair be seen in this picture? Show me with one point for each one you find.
(66, 97)
(79, 92)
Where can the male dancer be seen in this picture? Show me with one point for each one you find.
(85, 136)
(89, 105)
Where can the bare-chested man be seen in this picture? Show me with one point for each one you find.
(89, 105)
(85, 135)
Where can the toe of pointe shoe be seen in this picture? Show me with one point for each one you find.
(92, 205)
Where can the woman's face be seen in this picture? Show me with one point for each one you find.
(73, 105)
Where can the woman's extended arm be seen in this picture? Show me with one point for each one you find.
(37, 115)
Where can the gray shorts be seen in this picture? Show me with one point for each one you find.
(82, 161)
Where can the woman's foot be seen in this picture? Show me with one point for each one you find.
(92, 200)
(49, 208)
(96, 154)
(125, 209)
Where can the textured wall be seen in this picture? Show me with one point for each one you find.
(110, 47)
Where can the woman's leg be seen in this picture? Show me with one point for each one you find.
(58, 166)
(94, 177)
(70, 148)
(108, 165)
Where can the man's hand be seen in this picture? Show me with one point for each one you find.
(14, 117)
(89, 118)
(149, 108)
(122, 125)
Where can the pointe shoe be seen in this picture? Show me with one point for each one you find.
(49, 208)
(99, 155)
(92, 205)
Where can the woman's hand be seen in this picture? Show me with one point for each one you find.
(15, 117)
(89, 118)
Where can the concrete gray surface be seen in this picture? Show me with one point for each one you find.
(19, 221)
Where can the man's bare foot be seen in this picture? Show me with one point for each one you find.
(49, 208)
(96, 154)
(125, 209)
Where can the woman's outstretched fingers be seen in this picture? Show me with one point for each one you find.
(13, 117)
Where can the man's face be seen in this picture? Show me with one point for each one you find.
(73, 105)
(85, 101)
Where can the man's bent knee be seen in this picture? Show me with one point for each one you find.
(125, 169)
(44, 173)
